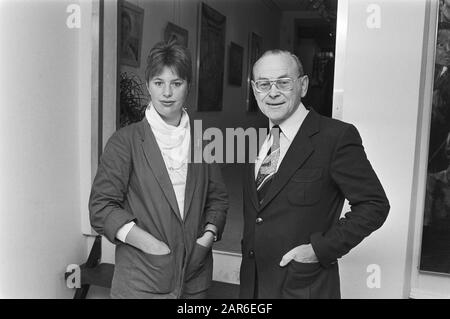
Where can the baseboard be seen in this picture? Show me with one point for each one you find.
(423, 294)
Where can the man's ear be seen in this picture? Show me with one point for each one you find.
(253, 88)
(304, 86)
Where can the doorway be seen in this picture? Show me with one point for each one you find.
(315, 43)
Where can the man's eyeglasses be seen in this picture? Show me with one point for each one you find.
(282, 84)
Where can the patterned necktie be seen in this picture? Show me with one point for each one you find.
(269, 165)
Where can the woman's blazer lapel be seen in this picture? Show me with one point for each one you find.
(156, 162)
(194, 170)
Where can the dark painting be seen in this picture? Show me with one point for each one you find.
(435, 252)
(177, 34)
(254, 52)
(211, 59)
(235, 64)
(131, 28)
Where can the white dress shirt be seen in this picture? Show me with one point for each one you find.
(289, 129)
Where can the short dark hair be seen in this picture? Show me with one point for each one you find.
(172, 55)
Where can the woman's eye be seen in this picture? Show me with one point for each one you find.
(178, 84)
(158, 83)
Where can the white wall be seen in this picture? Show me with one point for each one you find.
(381, 86)
(40, 227)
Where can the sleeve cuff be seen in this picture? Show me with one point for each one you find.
(218, 220)
(321, 250)
(124, 230)
(114, 222)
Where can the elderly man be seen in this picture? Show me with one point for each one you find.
(295, 191)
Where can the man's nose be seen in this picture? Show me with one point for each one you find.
(273, 92)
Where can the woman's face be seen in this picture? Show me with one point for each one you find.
(168, 93)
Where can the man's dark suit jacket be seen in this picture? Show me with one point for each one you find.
(325, 164)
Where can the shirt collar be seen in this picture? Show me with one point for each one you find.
(291, 125)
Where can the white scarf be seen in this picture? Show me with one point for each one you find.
(173, 141)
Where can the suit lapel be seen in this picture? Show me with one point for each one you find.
(156, 162)
(300, 150)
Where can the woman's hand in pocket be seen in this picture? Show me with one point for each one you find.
(144, 241)
(206, 240)
(156, 247)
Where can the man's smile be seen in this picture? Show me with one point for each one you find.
(275, 104)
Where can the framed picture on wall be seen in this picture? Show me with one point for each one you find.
(254, 52)
(210, 59)
(131, 26)
(236, 55)
(435, 247)
(176, 33)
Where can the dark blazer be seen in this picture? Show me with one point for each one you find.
(132, 183)
(325, 164)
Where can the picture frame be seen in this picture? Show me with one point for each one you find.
(235, 57)
(177, 33)
(435, 241)
(210, 58)
(130, 38)
(255, 49)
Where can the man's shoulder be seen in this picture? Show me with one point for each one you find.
(332, 125)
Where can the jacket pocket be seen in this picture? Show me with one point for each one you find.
(197, 260)
(198, 273)
(148, 273)
(299, 279)
(305, 187)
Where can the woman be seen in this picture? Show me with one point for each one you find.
(162, 211)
